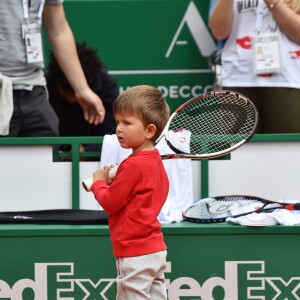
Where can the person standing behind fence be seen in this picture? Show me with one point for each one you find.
(62, 97)
(136, 196)
(261, 57)
(24, 106)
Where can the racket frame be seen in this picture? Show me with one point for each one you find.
(180, 154)
(287, 204)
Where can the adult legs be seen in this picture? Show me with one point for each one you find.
(33, 115)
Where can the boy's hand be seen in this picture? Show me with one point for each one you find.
(103, 174)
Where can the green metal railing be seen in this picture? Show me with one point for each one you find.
(293, 137)
(74, 155)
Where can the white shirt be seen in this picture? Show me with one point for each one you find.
(237, 55)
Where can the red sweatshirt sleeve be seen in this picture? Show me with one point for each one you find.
(114, 197)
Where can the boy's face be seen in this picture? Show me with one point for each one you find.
(132, 133)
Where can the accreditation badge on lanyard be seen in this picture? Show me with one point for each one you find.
(32, 34)
(267, 53)
(266, 46)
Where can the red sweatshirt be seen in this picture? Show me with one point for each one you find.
(133, 202)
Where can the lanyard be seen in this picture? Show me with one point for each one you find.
(259, 17)
(26, 10)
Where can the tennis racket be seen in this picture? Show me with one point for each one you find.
(208, 126)
(219, 208)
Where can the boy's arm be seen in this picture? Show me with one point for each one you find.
(114, 197)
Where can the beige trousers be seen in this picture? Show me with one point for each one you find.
(142, 277)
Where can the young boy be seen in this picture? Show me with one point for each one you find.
(135, 197)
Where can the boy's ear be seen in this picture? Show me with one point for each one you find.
(150, 131)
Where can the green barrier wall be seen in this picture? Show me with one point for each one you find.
(165, 43)
(205, 262)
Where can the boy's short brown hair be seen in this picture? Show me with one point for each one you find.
(146, 102)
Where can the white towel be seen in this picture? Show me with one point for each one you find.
(6, 95)
(279, 216)
(181, 185)
(112, 152)
(6, 104)
(179, 173)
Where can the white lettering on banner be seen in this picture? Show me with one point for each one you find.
(179, 92)
(198, 29)
(201, 36)
(60, 278)
(229, 285)
(184, 92)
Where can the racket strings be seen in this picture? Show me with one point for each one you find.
(215, 123)
(221, 209)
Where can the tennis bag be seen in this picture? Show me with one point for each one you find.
(55, 216)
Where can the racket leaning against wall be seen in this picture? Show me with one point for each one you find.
(208, 126)
(218, 209)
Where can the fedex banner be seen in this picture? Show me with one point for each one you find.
(242, 280)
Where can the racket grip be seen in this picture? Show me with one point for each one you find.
(87, 183)
(295, 206)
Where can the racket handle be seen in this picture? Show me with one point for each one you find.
(295, 206)
(87, 183)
